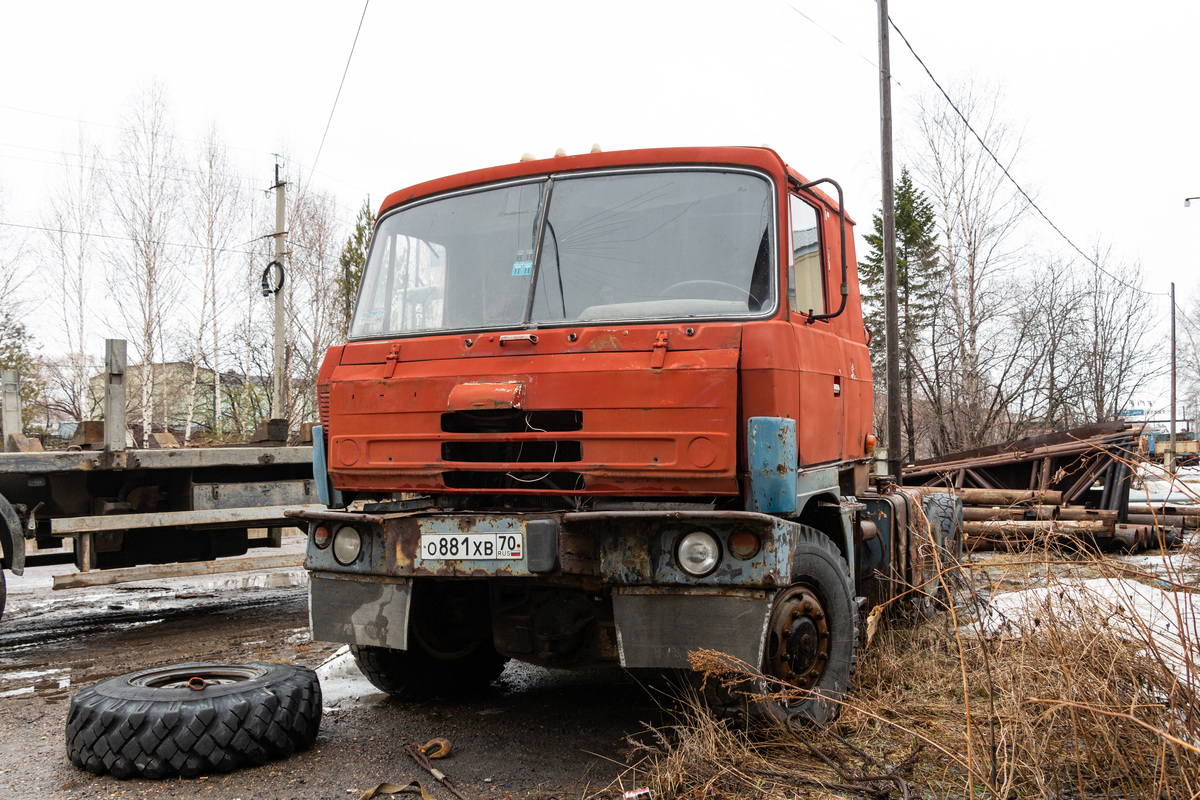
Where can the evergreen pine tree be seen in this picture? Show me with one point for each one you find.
(917, 274)
(352, 261)
(15, 344)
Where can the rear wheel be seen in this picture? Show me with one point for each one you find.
(450, 650)
(811, 636)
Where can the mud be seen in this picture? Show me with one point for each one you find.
(535, 734)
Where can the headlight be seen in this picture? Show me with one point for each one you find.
(347, 544)
(698, 553)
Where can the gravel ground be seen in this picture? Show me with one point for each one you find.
(537, 734)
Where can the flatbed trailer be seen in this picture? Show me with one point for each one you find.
(127, 512)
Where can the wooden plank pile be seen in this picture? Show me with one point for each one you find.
(1071, 486)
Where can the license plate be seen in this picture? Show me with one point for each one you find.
(470, 546)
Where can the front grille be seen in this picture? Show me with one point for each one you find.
(514, 481)
(511, 420)
(536, 451)
(323, 407)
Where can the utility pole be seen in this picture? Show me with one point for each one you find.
(277, 379)
(10, 388)
(891, 312)
(1171, 454)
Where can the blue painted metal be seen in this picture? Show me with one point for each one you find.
(325, 491)
(771, 465)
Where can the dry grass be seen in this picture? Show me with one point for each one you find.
(1076, 698)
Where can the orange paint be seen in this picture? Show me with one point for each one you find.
(649, 408)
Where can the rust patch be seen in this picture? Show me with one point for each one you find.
(603, 341)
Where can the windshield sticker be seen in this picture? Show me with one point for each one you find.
(524, 263)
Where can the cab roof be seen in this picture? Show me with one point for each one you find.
(762, 158)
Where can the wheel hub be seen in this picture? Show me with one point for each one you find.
(798, 643)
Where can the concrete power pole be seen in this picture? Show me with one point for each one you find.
(891, 311)
(277, 377)
(10, 421)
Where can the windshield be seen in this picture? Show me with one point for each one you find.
(617, 246)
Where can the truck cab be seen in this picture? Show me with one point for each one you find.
(599, 409)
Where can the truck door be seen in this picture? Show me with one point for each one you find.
(818, 347)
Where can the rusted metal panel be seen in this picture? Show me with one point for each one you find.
(359, 612)
(477, 396)
(68, 526)
(670, 431)
(616, 548)
(185, 458)
(998, 496)
(211, 496)
(771, 465)
(659, 629)
(198, 457)
(47, 462)
(157, 571)
(317, 513)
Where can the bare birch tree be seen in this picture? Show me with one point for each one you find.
(145, 199)
(1114, 359)
(1055, 302)
(215, 224)
(973, 367)
(72, 219)
(313, 298)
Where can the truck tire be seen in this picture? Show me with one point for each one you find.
(3, 593)
(812, 634)
(191, 719)
(417, 675)
(450, 651)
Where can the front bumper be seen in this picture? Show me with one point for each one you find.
(661, 613)
(593, 549)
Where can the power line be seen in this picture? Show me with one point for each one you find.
(174, 136)
(345, 72)
(128, 239)
(1008, 175)
(833, 36)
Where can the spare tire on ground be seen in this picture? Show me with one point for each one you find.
(193, 719)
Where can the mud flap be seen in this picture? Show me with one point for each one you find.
(12, 537)
(658, 630)
(359, 612)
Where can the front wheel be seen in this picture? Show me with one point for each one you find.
(450, 651)
(811, 635)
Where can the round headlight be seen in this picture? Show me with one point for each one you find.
(347, 544)
(322, 536)
(698, 553)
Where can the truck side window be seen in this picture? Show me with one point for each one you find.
(806, 273)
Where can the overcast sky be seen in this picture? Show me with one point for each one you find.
(1102, 93)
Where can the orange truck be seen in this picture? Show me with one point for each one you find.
(606, 409)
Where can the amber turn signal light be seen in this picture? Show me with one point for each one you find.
(744, 545)
(869, 444)
(322, 536)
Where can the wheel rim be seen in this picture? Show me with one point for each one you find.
(798, 638)
(185, 677)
